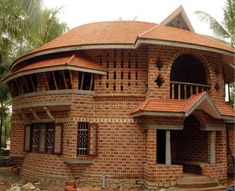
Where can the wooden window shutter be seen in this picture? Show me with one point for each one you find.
(27, 138)
(92, 139)
(58, 138)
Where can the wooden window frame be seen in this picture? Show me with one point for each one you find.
(45, 150)
(95, 125)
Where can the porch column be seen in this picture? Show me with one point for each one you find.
(212, 137)
(168, 147)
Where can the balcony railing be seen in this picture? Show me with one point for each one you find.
(183, 90)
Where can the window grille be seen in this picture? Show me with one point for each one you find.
(35, 138)
(41, 137)
(82, 138)
(50, 139)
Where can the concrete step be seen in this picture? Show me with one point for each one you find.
(214, 188)
(195, 181)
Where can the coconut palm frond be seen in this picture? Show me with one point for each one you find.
(229, 19)
(215, 26)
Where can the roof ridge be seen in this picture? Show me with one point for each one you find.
(152, 28)
(200, 95)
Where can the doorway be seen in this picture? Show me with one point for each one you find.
(161, 146)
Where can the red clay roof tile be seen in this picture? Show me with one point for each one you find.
(113, 32)
(79, 60)
(225, 109)
(172, 34)
(127, 32)
(180, 106)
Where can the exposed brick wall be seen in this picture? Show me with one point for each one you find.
(230, 148)
(151, 147)
(212, 63)
(17, 137)
(168, 173)
(219, 170)
(47, 166)
(190, 144)
(125, 149)
(126, 70)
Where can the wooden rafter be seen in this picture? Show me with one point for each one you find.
(12, 89)
(47, 85)
(26, 84)
(81, 85)
(65, 83)
(32, 83)
(91, 83)
(71, 78)
(18, 87)
(54, 80)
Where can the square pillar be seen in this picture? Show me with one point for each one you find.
(151, 158)
(212, 138)
(168, 148)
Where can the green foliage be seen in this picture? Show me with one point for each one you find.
(51, 28)
(225, 30)
(24, 25)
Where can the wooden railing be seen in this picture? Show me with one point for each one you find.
(183, 90)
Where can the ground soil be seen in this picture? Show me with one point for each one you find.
(9, 177)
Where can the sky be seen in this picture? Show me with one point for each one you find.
(78, 12)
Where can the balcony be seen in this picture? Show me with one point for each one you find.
(183, 90)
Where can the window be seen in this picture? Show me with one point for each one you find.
(87, 139)
(226, 92)
(86, 81)
(43, 137)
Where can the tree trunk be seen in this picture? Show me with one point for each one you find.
(1, 125)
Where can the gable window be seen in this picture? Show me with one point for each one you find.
(87, 139)
(43, 138)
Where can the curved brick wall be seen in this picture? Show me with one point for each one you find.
(41, 166)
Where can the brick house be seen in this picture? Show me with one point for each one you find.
(124, 100)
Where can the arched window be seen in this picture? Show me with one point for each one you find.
(188, 77)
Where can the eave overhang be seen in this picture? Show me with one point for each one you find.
(75, 62)
(139, 41)
(181, 108)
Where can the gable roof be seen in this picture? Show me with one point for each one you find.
(183, 108)
(178, 19)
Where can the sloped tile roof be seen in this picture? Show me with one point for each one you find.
(79, 60)
(113, 32)
(225, 109)
(127, 32)
(179, 106)
(173, 34)
(123, 33)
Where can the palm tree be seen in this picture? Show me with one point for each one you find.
(225, 31)
(24, 25)
(51, 28)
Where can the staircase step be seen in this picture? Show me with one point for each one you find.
(196, 182)
(214, 188)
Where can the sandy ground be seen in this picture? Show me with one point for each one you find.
(9, 178)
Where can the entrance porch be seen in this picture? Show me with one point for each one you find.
(183, 136)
